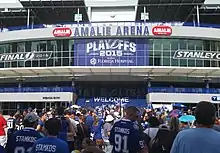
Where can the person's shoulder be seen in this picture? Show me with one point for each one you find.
(40, 140)
(187, 133)
(18, 132)
(62, 142)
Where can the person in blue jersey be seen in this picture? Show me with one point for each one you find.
(203, 138)
(19, 121)
(11, 124)
(125, 135)
(2, 149)
(67, 129)
(22, 141)
(51, 144)
(97, 131)
(89, 120)
(41, 122)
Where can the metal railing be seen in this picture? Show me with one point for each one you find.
(151, 89)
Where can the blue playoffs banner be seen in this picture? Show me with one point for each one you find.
(111, 52)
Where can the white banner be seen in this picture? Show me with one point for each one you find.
(182, 97)
(36, 97)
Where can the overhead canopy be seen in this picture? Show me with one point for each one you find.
(42, 12)
(167, 10)
(212, 2)
(59, 11)
(85, 71)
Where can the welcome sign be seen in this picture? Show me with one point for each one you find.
(111, 52)
(100, 101)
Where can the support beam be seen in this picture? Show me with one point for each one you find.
(197, 13)
(28, 18)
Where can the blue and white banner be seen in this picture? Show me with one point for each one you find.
(116, 101)
(111, 52)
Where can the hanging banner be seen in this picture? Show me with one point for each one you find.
(111, 52)
(114, 101)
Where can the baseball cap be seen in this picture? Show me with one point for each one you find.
(31, 117)
(109, 118)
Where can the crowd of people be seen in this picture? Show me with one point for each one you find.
(114, 130)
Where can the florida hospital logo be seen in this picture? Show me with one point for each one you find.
(110, 51)
(10, 57)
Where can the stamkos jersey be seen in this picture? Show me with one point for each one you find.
(22, 141)
(11, 125)
(125, 136)
(50, 145)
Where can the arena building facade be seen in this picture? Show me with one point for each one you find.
(139, 62)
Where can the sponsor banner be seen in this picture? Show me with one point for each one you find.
(123, 101)
(87, 30)
(205, 55)
(62, 32)
(10, 57)
(162, 30)
(111, 52)
(69, 25)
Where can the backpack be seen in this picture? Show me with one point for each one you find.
(161, 142)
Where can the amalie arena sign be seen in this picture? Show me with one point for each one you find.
(138, 29)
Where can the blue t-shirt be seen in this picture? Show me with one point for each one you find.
(41, 123)
(50, 145)
(125, 136)
(22, 140)
(197, 140)
(64, 128)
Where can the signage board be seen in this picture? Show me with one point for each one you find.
(145, 16)
(105, 101)
(183, 97)
(111, 52)
(162, 30)
(36, 97)
(62, 32)
(87, 30)
(10, 57)
(78, 17)
(190, 54)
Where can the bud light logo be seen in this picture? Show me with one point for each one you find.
(111, 52)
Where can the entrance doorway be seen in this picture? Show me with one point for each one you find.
(55, 105)
(8, 107)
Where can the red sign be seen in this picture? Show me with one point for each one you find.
(62, 32)
(162, 31)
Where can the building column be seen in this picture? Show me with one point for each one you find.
(148, 82)
(28, 18)
(74, 95)
(197, 14)
(206, 81)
